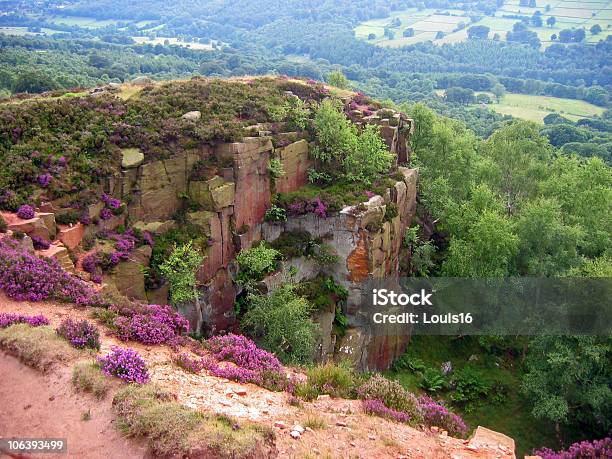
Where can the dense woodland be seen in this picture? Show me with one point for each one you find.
(497, 197)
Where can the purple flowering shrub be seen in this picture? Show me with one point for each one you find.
(378, 408)
(436, 414)
(8, 318)
(389, 399)
(40, 243)
(391, 393)
(26, 212)
(112, 206)
(318, 206)
(106, 214)
(253, 364)
(44, 180)
(594, 449)
(24, 276)
(80, 333)
(153, 324)
(98, 262)
(243, 352)
(125, 364)
(188, 363)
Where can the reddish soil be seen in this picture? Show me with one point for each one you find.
(46, 405)
(37, 405)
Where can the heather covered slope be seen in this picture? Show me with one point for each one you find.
(333, 427)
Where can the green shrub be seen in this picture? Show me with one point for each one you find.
(281, 323)
(391, 393)
(368, 158)
(293, 244)
(336, 78)
(471, 385)
(405, 362)
(298, 114)
(255, 263)
(432, 380)
(391, 211)
(322, 292)
(275, 168)
(67, 218)
(180, 269)
(275, 214)
(335, 379)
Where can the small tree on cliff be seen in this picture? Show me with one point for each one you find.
(180, 270)
(340, 147)
(336, 78)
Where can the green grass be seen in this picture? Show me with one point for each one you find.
(172, 41)
(510, 416)
(88, 377)
(426, 23)
(536, 108)
(173, 429)
(38, 347)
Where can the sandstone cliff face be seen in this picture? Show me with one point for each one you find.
(363, 253)
(232, 202)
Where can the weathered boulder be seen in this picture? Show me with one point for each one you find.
(71, 235)
(128, 276)
(212, 194)
(141, 81)
(131, 158)
(32, 227)
(159, 295)
(156, 228)
(59, 253)
(484, 438)
(48, 219)
(192, 116)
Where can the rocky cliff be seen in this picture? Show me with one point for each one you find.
(222, 190)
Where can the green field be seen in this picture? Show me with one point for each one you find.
(535, 108)
(427, 23)
(172, 41)
(23, 31)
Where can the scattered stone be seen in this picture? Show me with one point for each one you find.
(434, 429)
(444, 433)
(192, 116)
(472, 447)
(341, 424)
(132, 158)
(295, 434)
(241, 391)
(372, 437)
(308, 429)
(280, 425)
(298, 428)
(324, 397)
(352, 443)
(142, 81)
